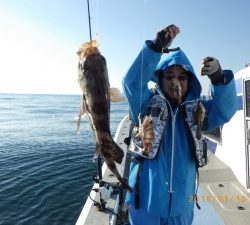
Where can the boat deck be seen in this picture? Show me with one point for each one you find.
(223, 200)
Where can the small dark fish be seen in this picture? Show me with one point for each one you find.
(199, 116)
(94, 82)
(146, 133)
(176, 90)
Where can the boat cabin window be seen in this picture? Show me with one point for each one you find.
(247, 94)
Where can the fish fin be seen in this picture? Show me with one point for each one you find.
(81, 114)
(97, 152)
(116, 95)
(78, 120)
(95, 157)
(118, 153)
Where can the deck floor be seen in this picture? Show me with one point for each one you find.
(223, 200)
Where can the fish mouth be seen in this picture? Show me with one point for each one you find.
(88, 48)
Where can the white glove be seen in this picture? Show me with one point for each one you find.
(210, 66)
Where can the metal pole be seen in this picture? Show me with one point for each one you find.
(103, 203)
(90, 35)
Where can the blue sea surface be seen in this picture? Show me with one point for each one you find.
(46, 169)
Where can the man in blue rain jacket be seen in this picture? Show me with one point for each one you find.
(165, 186)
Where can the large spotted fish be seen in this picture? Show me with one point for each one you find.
(94, 83)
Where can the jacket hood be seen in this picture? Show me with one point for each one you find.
(179, 58)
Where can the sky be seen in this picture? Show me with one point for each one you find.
(39, 38)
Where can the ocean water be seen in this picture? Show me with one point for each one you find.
(46, 169)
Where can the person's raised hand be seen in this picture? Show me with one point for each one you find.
(165, 38)
(211, 67)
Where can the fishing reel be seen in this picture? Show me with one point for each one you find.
(106, 191)
(106, 187)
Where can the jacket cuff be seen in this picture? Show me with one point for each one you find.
(227, 77)
(151, 45)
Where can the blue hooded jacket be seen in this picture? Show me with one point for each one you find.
(167, 183)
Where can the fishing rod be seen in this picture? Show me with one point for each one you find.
(89, 18)
(98, 179)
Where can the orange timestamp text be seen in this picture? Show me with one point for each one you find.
(218, 198)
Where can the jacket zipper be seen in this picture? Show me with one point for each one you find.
(173, 145)
(173, 137)
(172, 151)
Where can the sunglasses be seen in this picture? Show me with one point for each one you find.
(179, 77)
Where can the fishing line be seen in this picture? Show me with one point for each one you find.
(139, 116)
(142, 60)
(97, 18)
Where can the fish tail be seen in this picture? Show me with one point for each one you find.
(118, 153)
(112, 166)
